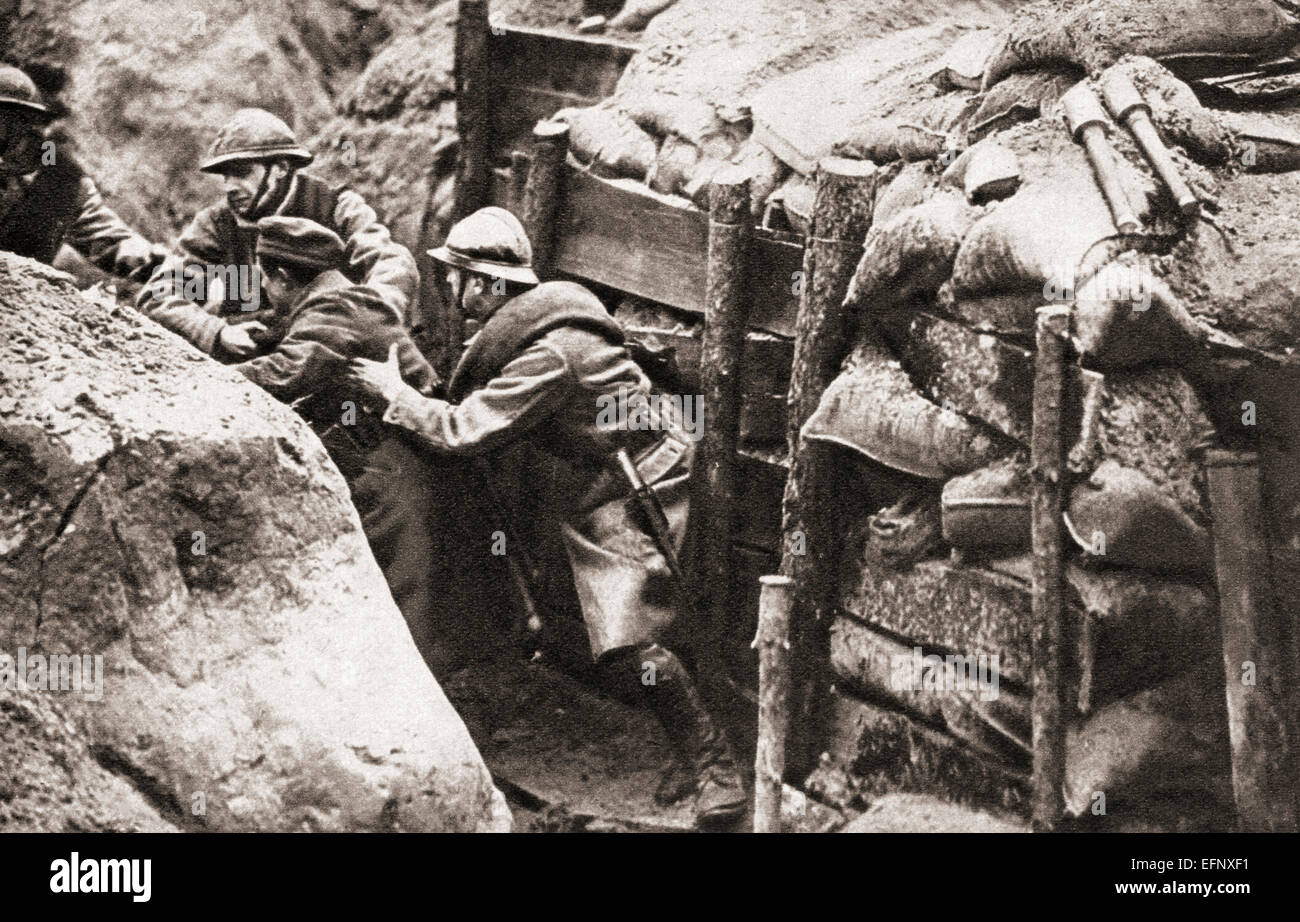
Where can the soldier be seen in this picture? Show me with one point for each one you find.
(259, 160)
(47, 200)
(547, 358)
(320, 321)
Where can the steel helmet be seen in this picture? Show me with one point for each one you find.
(491, 242)
(18, 90)
(254, 134)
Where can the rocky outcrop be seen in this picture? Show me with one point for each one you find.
(187, 536)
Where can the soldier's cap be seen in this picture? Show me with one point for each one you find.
(298, 242)
(254, 134)
(491, 242)
(18, 91)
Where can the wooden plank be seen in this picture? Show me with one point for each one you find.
(541, 72)
(617, 233)
(1256, 657)
(1047, 457)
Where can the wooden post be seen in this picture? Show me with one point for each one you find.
(844, 198)
(713, 484)
(474, 97)
(1256, 661)
(1047, 462)
(520, 163)
(773, 644)
(542, 192)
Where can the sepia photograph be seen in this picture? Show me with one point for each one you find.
(792, 417)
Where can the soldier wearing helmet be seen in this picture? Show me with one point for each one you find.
(260, 161)
(47, 200)
(547, 358)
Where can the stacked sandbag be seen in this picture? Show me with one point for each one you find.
(772, 85)
(977, 228)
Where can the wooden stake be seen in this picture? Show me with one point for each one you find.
(844, 198)
(725, 318)
(1256, 663)
(773, 644)
(520, 163)
(1046, 460)
(474, 97)
(542, 191)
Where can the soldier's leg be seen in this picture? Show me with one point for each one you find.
(391, 496)
(438, 565)
(697, 741)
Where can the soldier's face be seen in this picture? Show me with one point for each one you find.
(250, 185)
(20, 139)
(242, 181)
(277, 287)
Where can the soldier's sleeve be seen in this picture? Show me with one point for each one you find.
(371, 251)
(104, 238)
(162, 298)
(312, 349)
(527, 392)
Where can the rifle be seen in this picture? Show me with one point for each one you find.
(654, 512)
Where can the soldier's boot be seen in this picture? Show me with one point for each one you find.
(699, 743)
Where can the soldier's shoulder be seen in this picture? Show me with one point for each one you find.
(565, 292)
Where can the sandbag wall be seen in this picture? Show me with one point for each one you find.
(976, 226)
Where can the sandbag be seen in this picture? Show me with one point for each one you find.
(1118, 517)
(766, 172)
(794, 200)
(1124, 316)
(962, 66)
(1009, 313)
(872, 407)
(995, 724)
(1094, 34)
(674, 165)
(1024, 242)
(912, 255)
(921, 131)
(1148, 418)
(1168, 743)
(904, 186)
(636, 14)
(985, 172)
(1020, 97)
(610, 140)
(988, 509)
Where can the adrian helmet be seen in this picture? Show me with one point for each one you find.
(254, 134)
(491, 242)
(18, 90)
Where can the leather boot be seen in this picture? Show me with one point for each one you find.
(698, 743)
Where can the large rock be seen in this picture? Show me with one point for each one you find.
(162, 513)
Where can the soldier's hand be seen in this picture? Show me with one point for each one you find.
(237, 338)
(381, 380)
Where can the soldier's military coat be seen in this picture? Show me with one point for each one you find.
(57, 204)
(392, 485)
(544, 368)
(219, 237)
